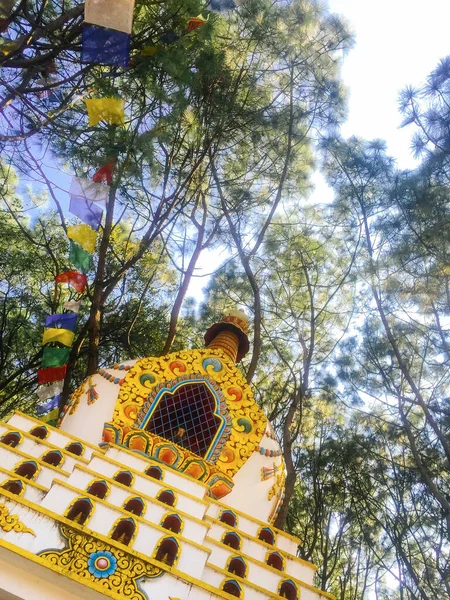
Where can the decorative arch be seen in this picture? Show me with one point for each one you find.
(75, 448)
(28, 469)
(154, 472)
(266, 535)
(232, 587)
(124, 477)
(275, 560)
(134, 505)
(167, 497)
(189, 411)
(232, 539)
(40, 432)
(54, 458)
(228, 517)
(15, 486)
(167, 551)
(98, 488)
(124, 531)
(172, 522)
(237, 566)
(80, 510)
(288, 589)
(12, 438)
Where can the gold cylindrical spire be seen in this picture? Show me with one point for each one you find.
(230, 335)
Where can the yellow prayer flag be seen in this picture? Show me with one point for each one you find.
(84, 236)
(54, 334)
(111, 110)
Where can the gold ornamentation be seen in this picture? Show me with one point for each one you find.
(76, 561)
(74, 399)
(277, 487)
(10, 522)
(248, 421)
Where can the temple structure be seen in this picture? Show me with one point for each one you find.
(161, 482)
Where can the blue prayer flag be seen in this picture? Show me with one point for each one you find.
(89, 212)
(105, 46)
(65, 321)
(49, 405)
(220, 6)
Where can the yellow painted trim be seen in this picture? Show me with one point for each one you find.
(277, 532)
(126, 514)
(258, 541)
(12, 480)
(24, 479)
(181, 492)
(157, 463)
(28, 457)
(138, 493)
(274, 535)
(24, 462)
(63, 457)
(81, 529)
(234, 515)
(273, 595)
(57, 430)
(68, 509)
(26, 434)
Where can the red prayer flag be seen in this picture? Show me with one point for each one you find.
(77, 280)
(195, 23)
(105, 173)
(51, 374)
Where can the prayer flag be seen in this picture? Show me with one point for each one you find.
(88, 212)
(63, 321)
(53, 334)
(111, 110)
(104, 46)
(7, 46)
(105, 173)
(51, 374)
(72, 305)
(114, 14)
(169, 38)
(89, 190)
(55, 357)
(51, 417)
(51, 404)
(84, 235)
(220, 6)
(77, 280)
(195, 23)
(80, 259)
(149, 50)
(48, 391)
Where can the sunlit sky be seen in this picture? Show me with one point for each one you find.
(398, 43)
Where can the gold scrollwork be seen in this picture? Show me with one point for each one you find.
(10, 522)
(76, 561)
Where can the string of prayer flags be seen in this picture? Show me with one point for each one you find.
(51, 374)
(113, 14)
(55, 357)
(76, 280)
(49, 390)
(89, 190)
(84, 236)
(88, 212)
(80, 259)
(104, 46)
(63, 321)
(72, 305)
(195, 23)
(105, 174)
(50, 405)
(111, 110)
(54, 334)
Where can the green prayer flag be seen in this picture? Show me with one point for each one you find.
(55, 357)
(79, 257)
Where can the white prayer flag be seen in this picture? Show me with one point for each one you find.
(113, 14)
(85, 188)
(48, 391)
(72, 305)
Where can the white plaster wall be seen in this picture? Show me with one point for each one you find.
(216, 579)
(287, 544)
(56, 438)
(31, 493)
(88, 419)
(170, 477)
(9, 460)
(169, 586)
